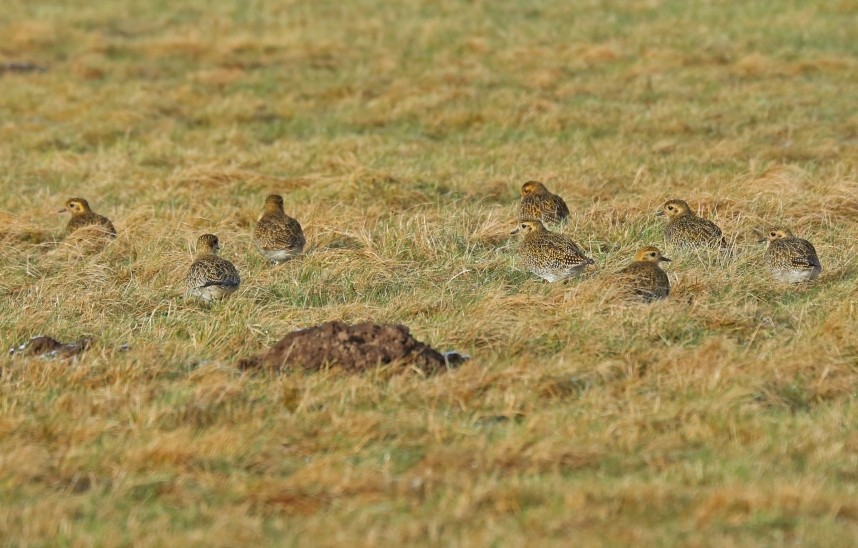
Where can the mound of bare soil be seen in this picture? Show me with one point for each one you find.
(354, 348)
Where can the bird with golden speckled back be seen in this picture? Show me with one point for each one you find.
(277, 236)
(685, 229)
(790, 259)
(82, 216)
(211, 277)
(540, 204)
(551, 256)
(645, 277)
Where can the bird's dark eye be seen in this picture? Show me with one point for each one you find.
(669, 207)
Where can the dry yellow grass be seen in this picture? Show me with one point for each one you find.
(399, 135)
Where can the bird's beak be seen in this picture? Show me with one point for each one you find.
(665, 259)
(761, 235)
(515, 230)
(63, 210)
(659, 213)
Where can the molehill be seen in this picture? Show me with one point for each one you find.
(354, 348)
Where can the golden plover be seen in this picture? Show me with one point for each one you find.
(645, 277)
(278, 236)
(540, 204)
(685, 229)
(549, 255)
(211, 277)
(790, 259)
(82, 215)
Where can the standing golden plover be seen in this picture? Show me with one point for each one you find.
(82, 215)
(790, 259)
(278, 236)
(211, 277)
(549, 255)
(645, 277)
(538, 203)
(685, 229)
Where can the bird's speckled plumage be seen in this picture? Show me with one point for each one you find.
(540, 204)
(685, 229)
(82, 215)
(549, 255)
(277, 236)
(211, 277)
(790, 259)
(645, 277)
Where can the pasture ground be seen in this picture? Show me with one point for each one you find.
(399, 134)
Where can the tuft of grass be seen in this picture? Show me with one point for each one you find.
(399, 135)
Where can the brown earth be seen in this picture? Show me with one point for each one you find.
(354, 348)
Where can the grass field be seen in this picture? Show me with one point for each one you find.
(399, 134)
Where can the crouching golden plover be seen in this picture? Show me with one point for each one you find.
(790, 259)
(685, 229)
(549, 255)
(277, 236)
(82, 215)
(211, 277)
(540, 204)
(645, 277)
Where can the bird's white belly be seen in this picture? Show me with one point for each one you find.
(280, 255)
(213, 292)
(794, 276)
(555, 275)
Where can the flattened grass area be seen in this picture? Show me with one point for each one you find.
(399, 134)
